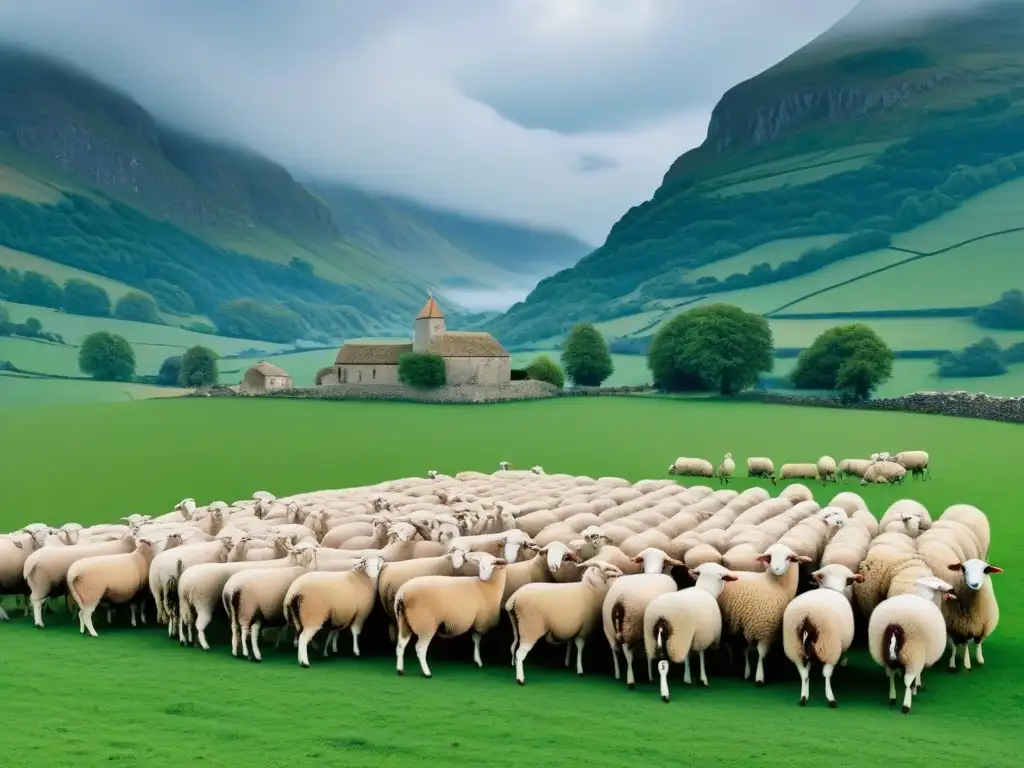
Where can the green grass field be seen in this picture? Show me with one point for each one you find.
(773, 253)
(133, 697)
(59, 273)
(20, 391)
(819, 170)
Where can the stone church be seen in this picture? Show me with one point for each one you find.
(470, 357)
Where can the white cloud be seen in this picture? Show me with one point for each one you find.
(562, 113)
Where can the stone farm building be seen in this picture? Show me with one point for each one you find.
(264, 377)
(469, 357)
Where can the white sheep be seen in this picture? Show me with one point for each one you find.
(395, 574)
(761, 466)
(561, 613)
(449, 606)
(883, 472)
(818, 626)
(537, 470)
(906, 633)
(691, 467)
(798, 472)
(975, 612)
(117, 578)
(677, 623)
(338, 600)
(752, 606)
(503, 466)
(827, 469)
(915, 462)
(855, 467)
(726, 469)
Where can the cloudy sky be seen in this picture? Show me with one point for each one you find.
(563, 113)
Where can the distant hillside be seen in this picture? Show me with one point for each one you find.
(859, 150)
(92, 184)
(453, 250)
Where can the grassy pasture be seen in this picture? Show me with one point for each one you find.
(16, 184)
(59, 273)
(773, 253)
(820, 169)
(158, 702)
(19, 391)
(899, 333)
(968, 276)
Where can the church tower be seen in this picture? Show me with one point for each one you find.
(429, 323)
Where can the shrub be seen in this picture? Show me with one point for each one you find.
(1007, 313)
(1014, 354)
(251, 319)
(983, 358)
(850, 358)
(718, 347)
(39, 290)
(585, 358)
(206, 328)
(106, 357)
(421, 371)
(543, 368)
(84, 298)
(198, 367)
(170, 371)
(137, 306)
(170, 297)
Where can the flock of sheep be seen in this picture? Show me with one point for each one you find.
(882, 467)
(565, 557)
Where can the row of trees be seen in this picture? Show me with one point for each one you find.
(1005, 314)
(32, 328)
(106, 356)
(76, 296)
(427, 371)
(983, 358)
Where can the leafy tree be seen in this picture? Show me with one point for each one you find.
(850, 358)
(84, 298)
(198, 367)
(39, 290)
(170, 371)
(543, 368)
(1011, 355)
(33, 325)
(585, 358)
(170, 297)
(1007, 313)
(422, 371)
(107, 357)
(251, 319)
(718, 347)
(5, 316)
(137, 306)
(983, 358)
(10, 283)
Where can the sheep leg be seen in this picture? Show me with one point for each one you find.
(476, 649)
(762, 651)
(650, 669)
(422, 643)
(37, 613)
(919, 683)
(805, 681)
(142, 611)
(687, 679)
(134, 611)
(826, 671)
(952, 654)
(327, 642)
(967, 654)
(403, 640)
(842, 660)
(521, 651)
(977, 653)
(3, 614)
(746, 661)
(254, 641)
(908, 695)
(334, 643)
(891, 674)
(110, 615)
(515, 642)
(203, 618)
(580, 642)
(627, 651)
(663, 672)
(281, 632)
(568, 653)
(87, 619)
(703, 670)
(243, 636)
(304, 637)
(355, 629)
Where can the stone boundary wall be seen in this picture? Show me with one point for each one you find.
(970, 405)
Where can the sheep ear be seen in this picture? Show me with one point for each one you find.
(858, 577)
(729, 577)
(804, 559)
(638, 559)
(956, 567)
(764, 558)
(19, 545)
(816, 575)
(993, 569)
(673, 562)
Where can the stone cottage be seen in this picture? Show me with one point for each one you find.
(264, 377)
(470, 357)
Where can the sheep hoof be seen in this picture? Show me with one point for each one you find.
(905, 709)
(759, 683)
(832, 704)
(892, 702)
(401, 673)
(665, 699)
(428, 676)
(521, 682)
(631, 686)
(306, 666)
(803, 701)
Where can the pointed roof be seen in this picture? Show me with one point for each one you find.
(430, 309)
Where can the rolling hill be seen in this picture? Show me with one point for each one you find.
(875, 174)
(92, 184)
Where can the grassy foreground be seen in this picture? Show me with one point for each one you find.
(132, 697)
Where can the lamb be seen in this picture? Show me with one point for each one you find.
(818, 626)
(975, 613)
(907, 633)
(449, 606)
(622, 612)
(753, 606)
(883, 472)
(799, 472)
(255, 597)
(915, 462)
(340, 600)
(761, 466)
(117, 578)
(827, 469)
(726, 469)
(676, 623)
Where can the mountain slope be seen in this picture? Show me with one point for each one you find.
(835, 154)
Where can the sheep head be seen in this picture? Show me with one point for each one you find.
(432, 474)
(512, 542)
(557, 553)
(712, 577)
(598, 573)
(654, 560)
(595, 537)
(503, 466)
(836, 577)
(537, 470)
(778, 558)
(173, 540)
(371, 566)
(975, 571)
(931, 587)
(401, 532)
(186, 507)
(446, 532)
(457, 556)
(489, 564)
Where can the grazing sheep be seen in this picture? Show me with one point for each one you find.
(761, 466)
(915, 462)
(726, 469)
(975, 613)
(503, 466)
(559, 613)
(118, 579)
(338, 600)
(906, 633)
(818, 626)
(799, 472)
(677, 623)
(537, 470)
(855, 467)
(752, 606)
(691, 467)
(449, 606)
(827, 469)
(883, 472)
(622, 612)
